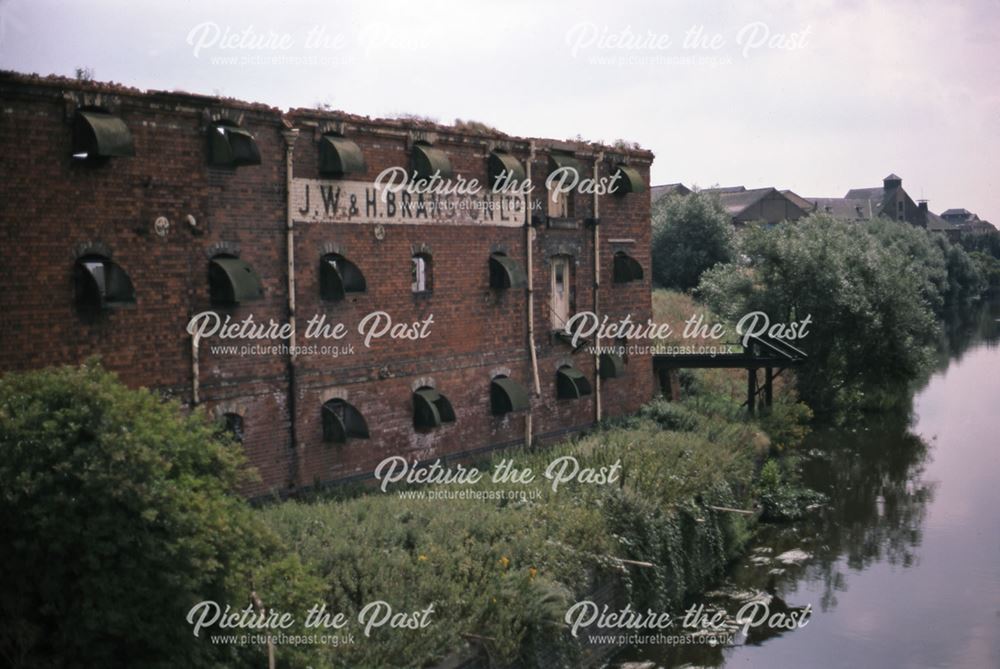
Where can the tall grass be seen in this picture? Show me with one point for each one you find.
(502, 573)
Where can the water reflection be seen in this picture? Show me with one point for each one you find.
(876, 602)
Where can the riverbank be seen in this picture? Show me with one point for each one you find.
(502, 560)
(898, 566)
(501, 571)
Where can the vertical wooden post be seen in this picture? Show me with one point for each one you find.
(675, 385)
(769, 387)
(751, 390)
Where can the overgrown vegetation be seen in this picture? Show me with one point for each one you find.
(984, 250)
(117, 515)
(502, 573)
(873, 291)
(781, 495)
(690, 234)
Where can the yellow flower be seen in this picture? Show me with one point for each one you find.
(504, 561)
(422, 558)
(532, 572)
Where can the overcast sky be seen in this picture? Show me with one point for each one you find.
(817, 98)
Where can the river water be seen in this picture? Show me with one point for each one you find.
(902, 567)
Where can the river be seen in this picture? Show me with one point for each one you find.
(902, 567)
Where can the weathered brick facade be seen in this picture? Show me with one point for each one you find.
(55, 209)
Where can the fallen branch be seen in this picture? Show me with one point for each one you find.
(731, 510)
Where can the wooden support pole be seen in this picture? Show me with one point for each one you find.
(768, 387)
(751, 390)
(664, 377)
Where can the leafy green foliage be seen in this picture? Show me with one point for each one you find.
(690, 235)
(872, 291)
(780, 495)
(988, 269)
(787, 424)
(118, 515)
(988, 242)
(502, 572)
(115, 518)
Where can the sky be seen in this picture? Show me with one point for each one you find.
(818, 97)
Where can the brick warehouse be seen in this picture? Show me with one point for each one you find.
(124, 213)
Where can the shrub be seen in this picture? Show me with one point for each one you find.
(671, 415)
(873, 324)
(780, 495)
(690, 234)
(988, 268)
(116, 518)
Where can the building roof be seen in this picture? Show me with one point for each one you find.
(977, 225)
(736, 201)
(801, 202)
(663, 190)
(846, 207)
(725, 189)
(935, 223)
(9, 78)
(956, 212)
(893, 177)
(876, 194)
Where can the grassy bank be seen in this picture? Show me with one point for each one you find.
(501, 573)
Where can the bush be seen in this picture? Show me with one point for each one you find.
(873, 324)
(988, 268)
(671, 415)
(690, 234)
(787, 424)
(116, 518)
(781, 497)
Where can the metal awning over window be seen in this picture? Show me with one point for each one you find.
(571, 384)
(507, 395)
(429, 160)
(339, 276)
(559, 160)
(431, 409)
(98, 134)
(612, 366)
(339, 156)
(233, 281)
(341, 421)
(503, 166)
(505, 272)
(231, 146)
(626, 268)
(101, 283)
(629, 181)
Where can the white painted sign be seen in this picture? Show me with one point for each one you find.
(335, 201)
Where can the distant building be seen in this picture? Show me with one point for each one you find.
(852, 209)
(862, 204)
(966, 221)
(800, 202)
(768, 205)
(935, 223)
(859, 204)
(664, 190)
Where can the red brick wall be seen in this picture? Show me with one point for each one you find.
(51, 207)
